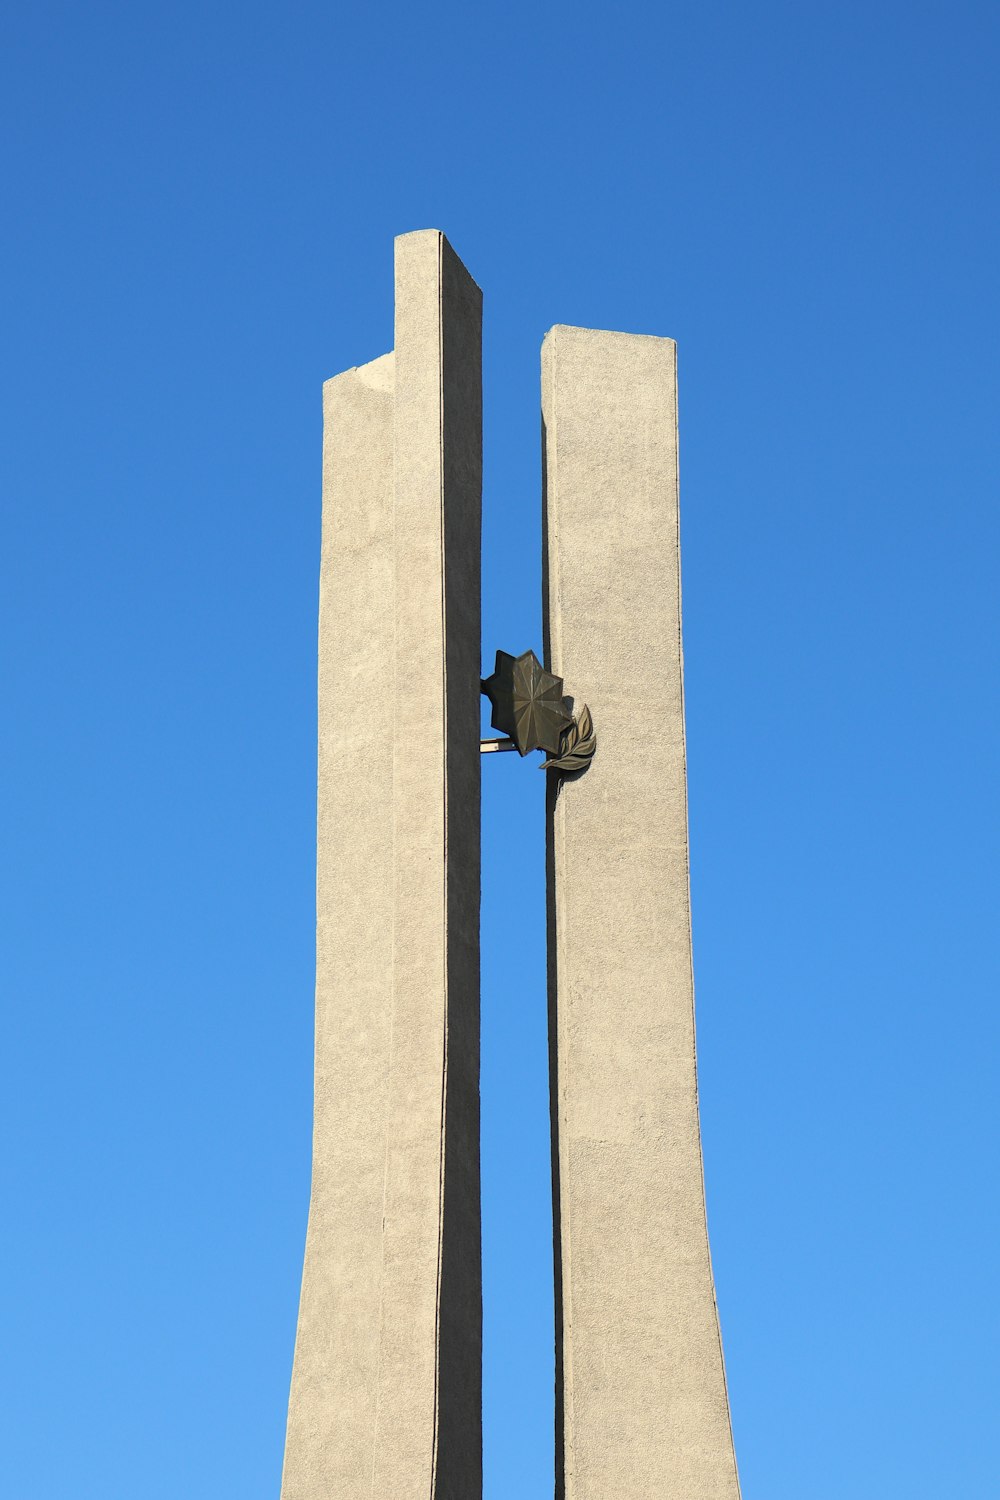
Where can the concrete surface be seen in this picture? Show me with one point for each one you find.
(331, 1414)
(386, 1387)
(642, 1409)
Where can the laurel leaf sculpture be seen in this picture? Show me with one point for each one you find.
(578, 745)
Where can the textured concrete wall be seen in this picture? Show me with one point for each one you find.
(642, 1409)
(331, 1414)
(386, 1386)
(429, 1434)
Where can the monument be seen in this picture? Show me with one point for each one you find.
(386, 1387)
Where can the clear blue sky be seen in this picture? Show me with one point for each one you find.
(199, 205)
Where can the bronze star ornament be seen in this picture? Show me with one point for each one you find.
(528, 703)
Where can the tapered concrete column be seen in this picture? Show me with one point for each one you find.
(385, 1400)
(641, 1401)
(429, 1425)
(331, 1413)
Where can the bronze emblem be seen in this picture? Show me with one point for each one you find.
(531, 709)
(528, 703)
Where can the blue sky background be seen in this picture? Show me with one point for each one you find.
(200, 202)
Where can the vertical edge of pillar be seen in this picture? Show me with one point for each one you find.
(460, 1437)
(642, 1407)
(428, 1438)
(331, 1412)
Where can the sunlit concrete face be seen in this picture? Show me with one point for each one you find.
(386, 1385)
(641, 1399)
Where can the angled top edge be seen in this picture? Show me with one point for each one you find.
(413, 238)
(379, 373)
(604, 333)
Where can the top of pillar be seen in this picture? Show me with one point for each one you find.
(413, 240)
(603, 333)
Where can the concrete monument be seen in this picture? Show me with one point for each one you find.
(386, 1386)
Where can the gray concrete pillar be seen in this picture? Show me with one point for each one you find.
(386, 1386)
(331, 1413)
(428, 1438)
(642, 1409)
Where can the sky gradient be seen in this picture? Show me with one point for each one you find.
(200, 210)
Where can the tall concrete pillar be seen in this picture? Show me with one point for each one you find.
(642, 1409)
(386, 1385)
